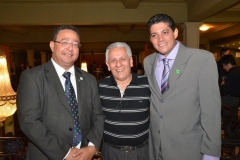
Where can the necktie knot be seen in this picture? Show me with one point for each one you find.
(165, 61)
(67, 75)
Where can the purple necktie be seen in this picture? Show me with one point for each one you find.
(71, 97)
(165, 74)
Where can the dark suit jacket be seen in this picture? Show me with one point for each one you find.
(221, 74)
(185, 121)
(44, 113)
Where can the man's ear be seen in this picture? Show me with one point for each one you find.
(175, 33)
(108, 66)
(51, 44)
(131, 61)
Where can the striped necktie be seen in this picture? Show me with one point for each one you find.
(165, 75)
(71, 97)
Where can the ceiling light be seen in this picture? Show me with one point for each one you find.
(204, 28)
(84, 66)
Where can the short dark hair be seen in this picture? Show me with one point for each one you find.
(228, 59)
(161, 18)
(63, 27)
(222, 51)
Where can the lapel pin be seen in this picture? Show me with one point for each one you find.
(81, 78)
(177, 71)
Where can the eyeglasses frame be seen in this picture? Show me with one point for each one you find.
(68, 43)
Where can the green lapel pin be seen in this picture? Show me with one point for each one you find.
(177, 71)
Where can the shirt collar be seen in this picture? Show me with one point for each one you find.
(61, 70)
(172, 55)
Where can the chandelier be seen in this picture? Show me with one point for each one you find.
(7, 94)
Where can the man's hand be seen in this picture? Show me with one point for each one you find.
(85, 153)
(223, 83)
(73, 151)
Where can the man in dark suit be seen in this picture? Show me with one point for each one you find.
(231, 95)
(221, 71)
(185, 119)
(43, 109)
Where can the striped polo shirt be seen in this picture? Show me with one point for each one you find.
(127, 116)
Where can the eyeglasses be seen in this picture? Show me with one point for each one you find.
(65, 43)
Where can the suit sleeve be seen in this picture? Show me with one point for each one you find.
(97, 121)
(30, 112)
(210, 105)
(145, 64)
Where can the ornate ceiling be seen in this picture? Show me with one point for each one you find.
(29, 24)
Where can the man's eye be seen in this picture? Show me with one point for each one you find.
(64, 43)
(153, 35)
(112, 61)
(75, 44)
(165, 32)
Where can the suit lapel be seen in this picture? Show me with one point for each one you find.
(80, 80)
(53, 78)
(178, 65)
(152, 74)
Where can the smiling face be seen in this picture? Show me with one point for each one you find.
(119, 63)
(65, 55)
(163, 38)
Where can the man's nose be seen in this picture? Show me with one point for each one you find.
(118, 63)
(160, 37)
(70, 46)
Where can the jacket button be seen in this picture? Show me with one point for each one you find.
(70, 129)
(161, 116)
(158, 132)
(161, 101)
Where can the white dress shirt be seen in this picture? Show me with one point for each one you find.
(60, 72)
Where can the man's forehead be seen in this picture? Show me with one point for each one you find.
(68, 39)
(118, 54)
(160, 29)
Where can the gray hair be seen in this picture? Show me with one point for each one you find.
(116, 45)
